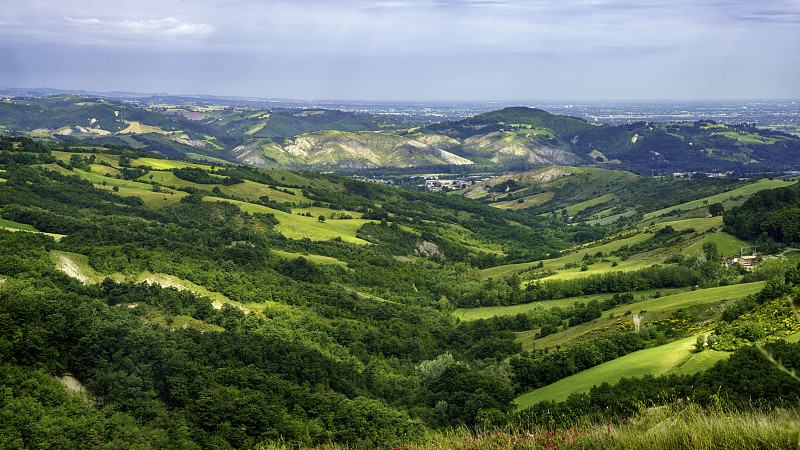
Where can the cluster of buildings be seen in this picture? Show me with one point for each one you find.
(372, 180)
(706, 174)
(433, 183)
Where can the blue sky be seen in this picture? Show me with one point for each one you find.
(408, 49)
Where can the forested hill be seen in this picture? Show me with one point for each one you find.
(772, 214)
(164, 303)
(317, 138)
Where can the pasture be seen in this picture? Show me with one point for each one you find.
(674, 358)
(297, 227)
(487, 312)
(651, 309)
(743, 191)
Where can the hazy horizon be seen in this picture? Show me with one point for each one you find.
(409, 50)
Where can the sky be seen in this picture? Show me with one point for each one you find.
(414, 50)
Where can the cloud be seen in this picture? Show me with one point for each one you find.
(773, 18)
(165, 27)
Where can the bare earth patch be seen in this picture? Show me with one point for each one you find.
(73, 386)
(65, 264)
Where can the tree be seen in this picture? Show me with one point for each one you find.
(716, 209)
(321, 218)
(711, 251)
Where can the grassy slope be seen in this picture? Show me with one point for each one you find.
(492, 311)
(8, 224)
(319, 259)
(298, 227)
(654, 309)
(747, 190)
(633, 263)
(676, 357)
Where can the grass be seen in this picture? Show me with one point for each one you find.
(527, 202)
(656, 309)
(677, 425)
(209, 159)
(743, 191)
(159, 317)
(572, 209)
(468, 314)
(17, 226)
(165, 164)
(76, 266)
(318, 259)
(556, 263)
(298, 227)
(14, 226)
(130, 188)
(674, 358)
(726, 244)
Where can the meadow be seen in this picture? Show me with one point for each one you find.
(677, 357)
(650, 309)
(743, 191)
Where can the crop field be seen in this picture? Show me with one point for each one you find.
(674, 358)
(298, 227)
(743, 191)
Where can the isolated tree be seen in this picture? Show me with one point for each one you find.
(321, 218)
(716, 209)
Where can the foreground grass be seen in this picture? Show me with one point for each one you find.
(680, 425)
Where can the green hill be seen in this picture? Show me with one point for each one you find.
(517, 137)
(183, 304)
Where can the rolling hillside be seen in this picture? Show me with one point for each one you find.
(195, 305)
(317, 138)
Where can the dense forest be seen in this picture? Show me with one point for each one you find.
(341, 342)
(772, 216)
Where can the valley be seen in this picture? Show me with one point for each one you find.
(253, 307)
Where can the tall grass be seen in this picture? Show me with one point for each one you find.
(679, 425)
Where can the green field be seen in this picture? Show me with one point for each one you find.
(163, 164)
(468, 314)
(726, 244)
(527, 202)
(655, 309)
(571, 210)
(16, 226)
(298, 227)
(130, 188)
(747, 190)
(557, 263)
(673, 358)
(319, 259)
